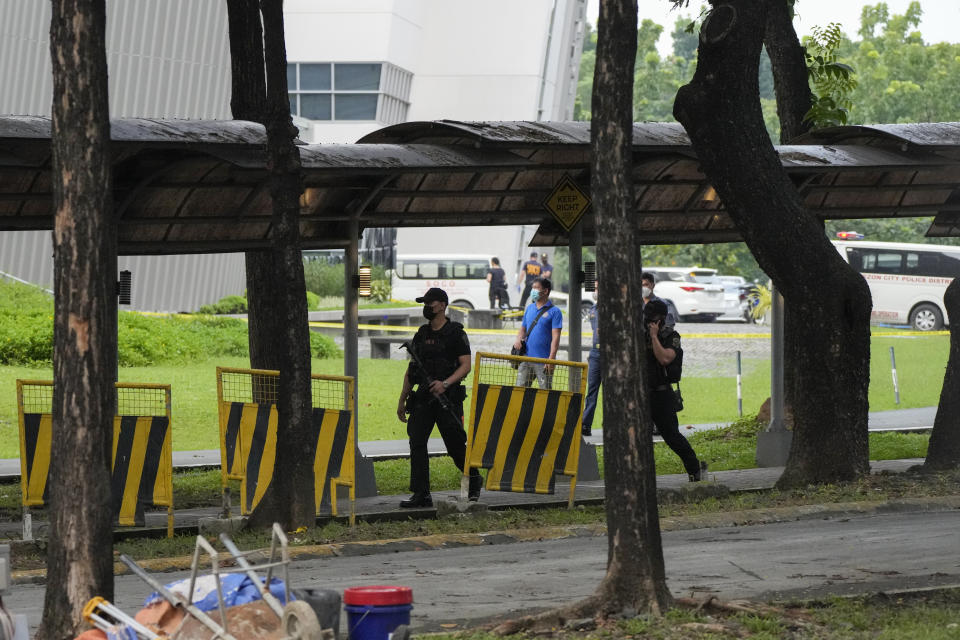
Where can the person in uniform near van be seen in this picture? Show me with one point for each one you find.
(546, 269)
(663, 347)
(540, 328)
(648, 282)
(443, 348)
(497, 278)
(528, 273)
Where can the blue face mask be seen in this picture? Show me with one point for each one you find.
(535, 295)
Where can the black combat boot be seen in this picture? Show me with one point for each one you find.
(476, 483)
(419, 500)
(700, 474)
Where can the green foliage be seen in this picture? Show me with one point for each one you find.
(26, 327)
(323, 347)
(324, 279)
(313, 301)
(380, 290)
(26, 324)
(901, 78)
(833, 81)
(147, 340)
(226, 305)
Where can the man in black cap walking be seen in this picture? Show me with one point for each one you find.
(443, 350)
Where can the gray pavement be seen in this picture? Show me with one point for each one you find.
(467, 585)
(386, 507)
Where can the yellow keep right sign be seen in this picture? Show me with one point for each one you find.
(567, 202)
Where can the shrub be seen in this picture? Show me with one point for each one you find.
(380, 291)
(323, 347)
(26, 324)
(324, 279)
(226, 305)
(313, 301)
(26, 334)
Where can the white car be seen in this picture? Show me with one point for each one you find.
(695, 301)
(734, 294)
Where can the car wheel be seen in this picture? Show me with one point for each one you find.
(461, 303)
(926, 317)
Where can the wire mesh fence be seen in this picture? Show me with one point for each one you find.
(36, 396)
(143, 400)
(133, 399)
(262, 387)
(505, 370)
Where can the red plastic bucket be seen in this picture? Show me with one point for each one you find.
(374, 612)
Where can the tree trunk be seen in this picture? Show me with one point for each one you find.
(720, 110)
(943, 453)
(635, 572)
(794, 99)
(789, 67)
(290, 498)
(248, 101)
(80, 551)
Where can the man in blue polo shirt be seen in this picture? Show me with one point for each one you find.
(540, 329)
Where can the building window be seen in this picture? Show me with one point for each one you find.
(377, 91)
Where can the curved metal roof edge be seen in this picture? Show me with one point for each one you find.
(138, 130)
(523, 133)
(935, 134)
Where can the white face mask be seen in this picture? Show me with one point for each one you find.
(646, 292)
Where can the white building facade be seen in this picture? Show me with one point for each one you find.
(359, 65)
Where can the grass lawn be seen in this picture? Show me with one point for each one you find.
(920, 362)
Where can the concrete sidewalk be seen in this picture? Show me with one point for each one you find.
(387, 507)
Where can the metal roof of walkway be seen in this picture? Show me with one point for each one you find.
(201, 186)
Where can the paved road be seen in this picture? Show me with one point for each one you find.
(793, 560)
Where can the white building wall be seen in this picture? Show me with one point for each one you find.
(496, 60)
(166, 59)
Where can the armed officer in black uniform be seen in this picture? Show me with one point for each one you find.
(663, 347)
(443, 348)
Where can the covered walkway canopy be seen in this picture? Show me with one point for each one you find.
(202, 186)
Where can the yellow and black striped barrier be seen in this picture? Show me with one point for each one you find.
(142, 452)
(248, 435)
(525, 435)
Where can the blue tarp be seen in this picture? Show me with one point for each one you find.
(237, 589)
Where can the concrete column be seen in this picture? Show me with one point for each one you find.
(773, 445)
(366, 481)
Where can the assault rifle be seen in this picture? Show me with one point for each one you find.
(425, 375)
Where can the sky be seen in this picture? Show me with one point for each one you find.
(940, 22)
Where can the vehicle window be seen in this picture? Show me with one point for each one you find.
(408, 269)
(928, 264)
(478, 270)
(429, 270)
(949, 266)
(878, 261)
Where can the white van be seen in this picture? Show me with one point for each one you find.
(463, 277)
(907, 281)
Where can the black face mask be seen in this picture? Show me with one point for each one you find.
(429, 313)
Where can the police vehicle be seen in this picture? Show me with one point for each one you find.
(907, 281)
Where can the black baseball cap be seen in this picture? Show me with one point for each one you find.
(655, 308)
(433, 294)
